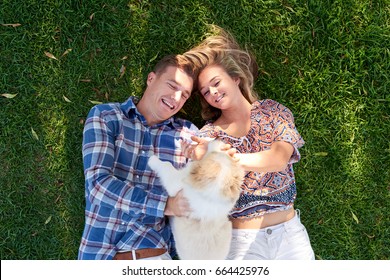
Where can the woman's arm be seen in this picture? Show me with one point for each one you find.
(272, 160)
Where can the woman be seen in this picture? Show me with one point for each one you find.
(263, 133)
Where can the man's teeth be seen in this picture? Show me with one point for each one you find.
(168, 104)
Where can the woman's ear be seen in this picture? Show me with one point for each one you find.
(237, 80)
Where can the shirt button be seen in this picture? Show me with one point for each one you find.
(269, 231)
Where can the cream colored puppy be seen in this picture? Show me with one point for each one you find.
(212, 187)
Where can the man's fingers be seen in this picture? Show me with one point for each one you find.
(184, 208)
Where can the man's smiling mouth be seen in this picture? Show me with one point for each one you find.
(170, 105)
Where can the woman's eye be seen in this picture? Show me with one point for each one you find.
(205, 93)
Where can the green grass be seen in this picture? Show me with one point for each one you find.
(328, 61)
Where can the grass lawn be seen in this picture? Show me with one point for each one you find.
(328, 61)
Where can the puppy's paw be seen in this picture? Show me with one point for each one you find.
(154, 162)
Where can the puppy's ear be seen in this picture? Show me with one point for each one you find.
(204, 172)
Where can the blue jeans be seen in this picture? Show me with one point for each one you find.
(285, 241)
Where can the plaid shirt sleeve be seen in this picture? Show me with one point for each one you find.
(103, 187)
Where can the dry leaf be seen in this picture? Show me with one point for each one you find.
(34, 134)
(96, 90)
(49, 55)
(48, 220)
(66, 52)
(92, 16)
(125, 57)
(123, 70)
(289, 8)
(11, 24)
(85, 80)
(66, 99)
(355, 218)
(370, 236)
(153, 58)
(321, 154)
(265, 72)
(95, 102)
(8, 95)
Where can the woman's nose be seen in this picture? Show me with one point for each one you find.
(213, 90)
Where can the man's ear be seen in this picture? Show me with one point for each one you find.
(151, 77)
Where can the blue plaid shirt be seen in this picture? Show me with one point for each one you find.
(124, 201)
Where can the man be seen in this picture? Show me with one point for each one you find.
(125, 203)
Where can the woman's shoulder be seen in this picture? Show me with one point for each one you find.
(208, 130)
(269, 106)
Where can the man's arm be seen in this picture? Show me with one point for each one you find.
(102, 186)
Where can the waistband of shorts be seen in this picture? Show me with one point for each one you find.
(290, 224)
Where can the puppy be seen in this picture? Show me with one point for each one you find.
(212, 187)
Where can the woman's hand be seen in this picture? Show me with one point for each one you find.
(196, 149)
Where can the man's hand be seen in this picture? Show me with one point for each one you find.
(177, 206)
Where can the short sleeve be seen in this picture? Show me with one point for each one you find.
(284, 129)
(208, 131)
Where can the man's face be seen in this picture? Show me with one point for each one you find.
(166, 94)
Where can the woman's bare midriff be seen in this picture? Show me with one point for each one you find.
(265, 220)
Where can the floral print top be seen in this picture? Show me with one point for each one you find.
(269, 191)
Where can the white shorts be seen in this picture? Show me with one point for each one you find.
(285, 241)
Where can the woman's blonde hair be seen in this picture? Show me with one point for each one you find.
(221, 49)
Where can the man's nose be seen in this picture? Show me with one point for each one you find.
(177, 95)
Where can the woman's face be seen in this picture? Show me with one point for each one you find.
(218, 88)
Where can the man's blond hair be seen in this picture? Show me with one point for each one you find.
(179, 61)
